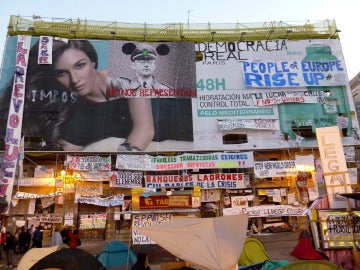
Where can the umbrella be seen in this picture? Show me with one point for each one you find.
(33, 255)
(209, 243)
(69, 259)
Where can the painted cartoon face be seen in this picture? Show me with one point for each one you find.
(76, 72)
(144, 67)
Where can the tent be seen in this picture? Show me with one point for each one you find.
(253, 252)
(304, 248)
(207, 243)
(116, 255)
(312, 265)
(33, 255)
(69, 258)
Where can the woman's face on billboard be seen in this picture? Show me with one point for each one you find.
(76, 72)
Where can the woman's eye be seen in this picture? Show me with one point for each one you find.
(80, 66)
(60, 73)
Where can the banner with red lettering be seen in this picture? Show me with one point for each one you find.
(204, 181)
(88, 163)
(185, 161)
(14, 123)
(125, 179)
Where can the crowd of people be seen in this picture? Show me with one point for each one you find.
(24, 239)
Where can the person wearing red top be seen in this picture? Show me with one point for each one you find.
(74, 236)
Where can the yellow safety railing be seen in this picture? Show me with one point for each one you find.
(69, 28)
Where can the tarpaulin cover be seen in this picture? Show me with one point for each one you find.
(208, 243)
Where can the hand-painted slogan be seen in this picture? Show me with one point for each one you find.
(91, 175)
(88, 163)
(118, 199)
(88, 188)
(294, 73)
(262, 99)
(204, 181)
(33, 181)
(267, 211)
(45, 50)
(26, 195)
(336, 227)
(126, 179)
(147, 220)
(48, 218)
(186, 161)
(271, 124)
(279, 168)
(14, 123)
(92, 221)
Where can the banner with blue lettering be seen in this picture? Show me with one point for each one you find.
(271, 94)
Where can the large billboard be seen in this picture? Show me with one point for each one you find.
(271, 94)
(115, 96)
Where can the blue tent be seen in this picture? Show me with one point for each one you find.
(116, 255)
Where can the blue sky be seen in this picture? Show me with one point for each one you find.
(345, 13)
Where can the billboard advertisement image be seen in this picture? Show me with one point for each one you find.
(117, 95)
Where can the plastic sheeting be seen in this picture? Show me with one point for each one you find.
(207, 243)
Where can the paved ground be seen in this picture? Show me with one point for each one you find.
(278, 246)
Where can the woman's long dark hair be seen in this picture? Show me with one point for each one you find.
(42, 78)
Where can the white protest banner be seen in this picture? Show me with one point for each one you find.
(267, 211)
(186, 161)
(45, 50)
(48, 218)
(32, 181)
(92, 221)
(126, 179)
(26, 195)
(262, 99)
(133, 162)
(147, 220)
(270, 124)
(14, 122)
(106, 202)
(91, 175)
(43, 171)
(88, 188)
(277, 168)
(88, 163)
(204, 181)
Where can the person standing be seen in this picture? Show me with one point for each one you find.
(9, 249)
(142, 262)
(74, 236)
(37, 238)
(24, 240)
(2, 240)
(65, 234)
(56, 238)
